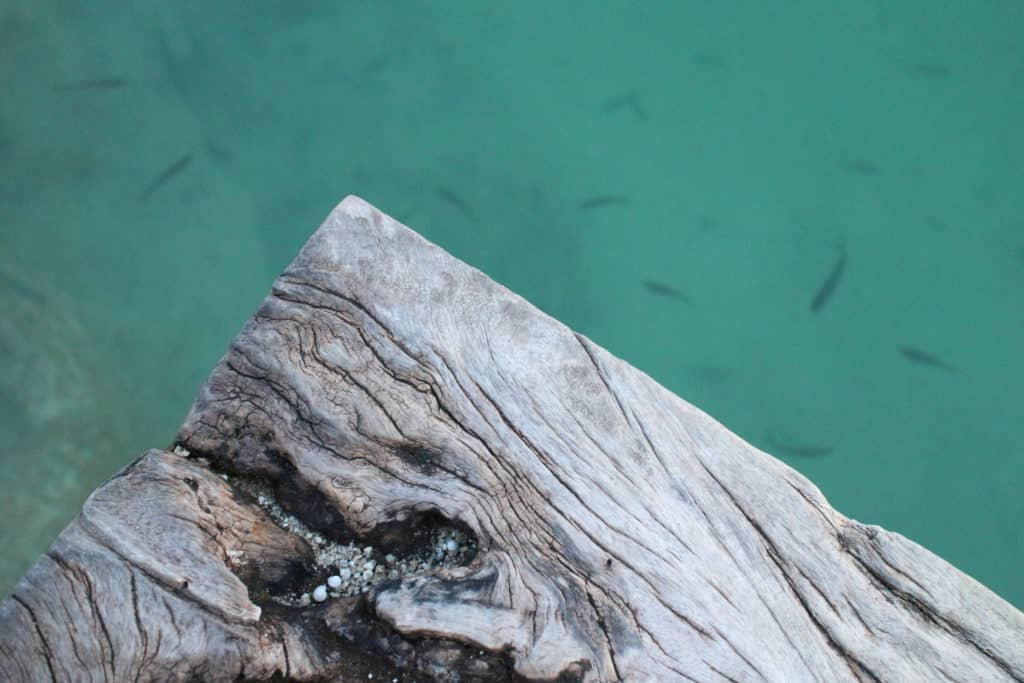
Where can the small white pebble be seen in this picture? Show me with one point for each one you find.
(368, 550)
(451, 545)
(345, 574)
(370, 566)
(320, 593)
(367, 575)
(334, 581)
(304, 600)
(389, 558)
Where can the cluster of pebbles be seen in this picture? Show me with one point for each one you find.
(347, 570)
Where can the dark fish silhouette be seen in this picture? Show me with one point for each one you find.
(602, 201)
(377, 64)
(828, 287)
(219, 153)
(629, 101)
(709, 60)
(168, 173)
(859, 166)
(661, 289)
(798, 450)
(930, 70)
(105, 83)
(920, 357)
(22, 288)
(456, 201)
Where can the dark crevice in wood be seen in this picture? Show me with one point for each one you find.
(857, 614)
(785, 634)
(138, 621)
(440, 659)
(746, 660)
(599, 618)
(70, 625)
(180, 590)
(720, 673)
(43, 642)
(780, 564)
(95, 607)
(917, 606)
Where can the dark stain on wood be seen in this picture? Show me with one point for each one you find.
(303, 500)
(371, 648)
(421, 458)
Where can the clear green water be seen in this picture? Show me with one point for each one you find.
(746, 139)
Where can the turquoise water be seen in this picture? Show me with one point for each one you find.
(677, 181)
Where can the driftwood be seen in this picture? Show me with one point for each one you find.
(608, 530)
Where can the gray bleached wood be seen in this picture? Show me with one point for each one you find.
(622, 533)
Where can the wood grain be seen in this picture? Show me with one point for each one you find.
(622, 533)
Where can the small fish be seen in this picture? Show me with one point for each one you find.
(629, 101)
(707, 223)
(105, 83)
(930, 70)
(915, 355)
(456, 201)
(602, 201)
(828, 287)
(860, 167)
(661, 289)
(23, 289)
(710, 374)
(377, 64)
(168, 173)
(798, 450)
(219, 153)
(711, 61)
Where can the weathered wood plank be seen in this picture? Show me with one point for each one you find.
(619, 533)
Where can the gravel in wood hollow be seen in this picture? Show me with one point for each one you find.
(346, 570)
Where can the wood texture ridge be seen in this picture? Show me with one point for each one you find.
(385, 387)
